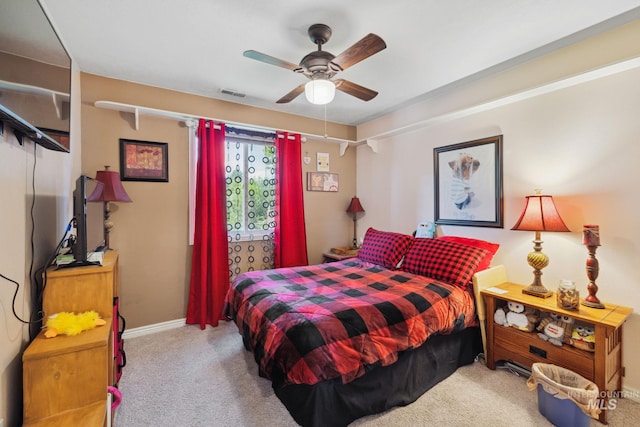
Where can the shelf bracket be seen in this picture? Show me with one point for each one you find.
(373, 144)
(343, 147)
(57, 104)
(136, 118)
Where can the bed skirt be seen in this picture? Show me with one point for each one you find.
(331, 403)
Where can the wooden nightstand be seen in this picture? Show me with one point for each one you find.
(603, 366)
(331, 257)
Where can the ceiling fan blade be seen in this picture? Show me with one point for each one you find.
(355, 89)
(367, 46)
(271, 60)
(291, 95)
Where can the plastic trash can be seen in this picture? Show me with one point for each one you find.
(565, 398)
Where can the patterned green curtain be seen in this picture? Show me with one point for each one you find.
(250, 184)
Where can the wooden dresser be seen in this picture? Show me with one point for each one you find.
(602, 366)
(65, 378)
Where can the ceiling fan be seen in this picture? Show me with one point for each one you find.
(321, 66)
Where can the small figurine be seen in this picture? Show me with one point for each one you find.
(556, 329)
(583, 337)
(517, 316)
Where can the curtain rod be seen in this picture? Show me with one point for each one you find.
(138, 110)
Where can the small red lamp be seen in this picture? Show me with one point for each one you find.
(539, 214)
(112, 191)
(355, 207)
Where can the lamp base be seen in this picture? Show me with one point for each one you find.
(592, 304)
(537, 260)
(593, 269)
(537, 291)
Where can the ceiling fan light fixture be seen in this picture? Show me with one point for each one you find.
(320, 91)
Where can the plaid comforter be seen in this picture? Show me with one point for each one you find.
(336, 321)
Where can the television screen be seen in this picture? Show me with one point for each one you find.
(95, 221)
(88, 219)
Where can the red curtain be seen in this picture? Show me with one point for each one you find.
(209, 262)
(290, 239)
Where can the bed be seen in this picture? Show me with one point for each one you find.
(357, 337)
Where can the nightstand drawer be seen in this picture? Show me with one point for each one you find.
(527, 348)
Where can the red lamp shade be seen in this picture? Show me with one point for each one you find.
(112, 189)
(355, 206)
(540, 214)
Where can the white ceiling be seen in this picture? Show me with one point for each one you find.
(196, 46)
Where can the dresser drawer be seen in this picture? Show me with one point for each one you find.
(527, 348)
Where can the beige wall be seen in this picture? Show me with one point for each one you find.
(328, 224)
(578, 143)
(152, 232)
(38, 109)
(53, 184)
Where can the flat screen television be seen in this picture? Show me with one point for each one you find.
(35, 76)
(88, 220)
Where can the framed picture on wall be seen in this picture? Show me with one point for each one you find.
(322, 163)
(144, 161)
(468, 183)
(59, 136)
(322, 181)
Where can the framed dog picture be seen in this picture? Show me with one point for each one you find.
(468, 183)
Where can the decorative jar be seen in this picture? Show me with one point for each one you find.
(568, 296)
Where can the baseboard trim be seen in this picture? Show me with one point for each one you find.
(153, 329)
(631, 394)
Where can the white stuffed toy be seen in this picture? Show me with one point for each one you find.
(517, 316)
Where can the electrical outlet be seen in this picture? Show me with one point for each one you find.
(1, 422)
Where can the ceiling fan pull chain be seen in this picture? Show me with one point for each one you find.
(325, 121)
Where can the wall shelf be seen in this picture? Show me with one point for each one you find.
(190, 120)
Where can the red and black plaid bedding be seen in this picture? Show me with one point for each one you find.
(337, 320)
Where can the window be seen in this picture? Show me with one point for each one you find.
(250, 178)
(250, 172)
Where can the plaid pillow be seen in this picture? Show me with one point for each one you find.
(384, 248)
(449, 262)
(491, 248)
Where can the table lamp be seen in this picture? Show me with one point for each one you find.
(539, 214)
(112, 191)
(354, 208)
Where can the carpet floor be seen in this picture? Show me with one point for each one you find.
(189, 377)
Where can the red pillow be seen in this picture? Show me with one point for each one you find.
(384, 248)
(449, 262)
(491, 248)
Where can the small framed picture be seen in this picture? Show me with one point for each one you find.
(59, 136)
(322, 161)
(322, 181)
(144, 161)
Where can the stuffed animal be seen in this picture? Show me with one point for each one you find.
(517, 316)
(556, 329)
(583, 337)
(72, 324)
